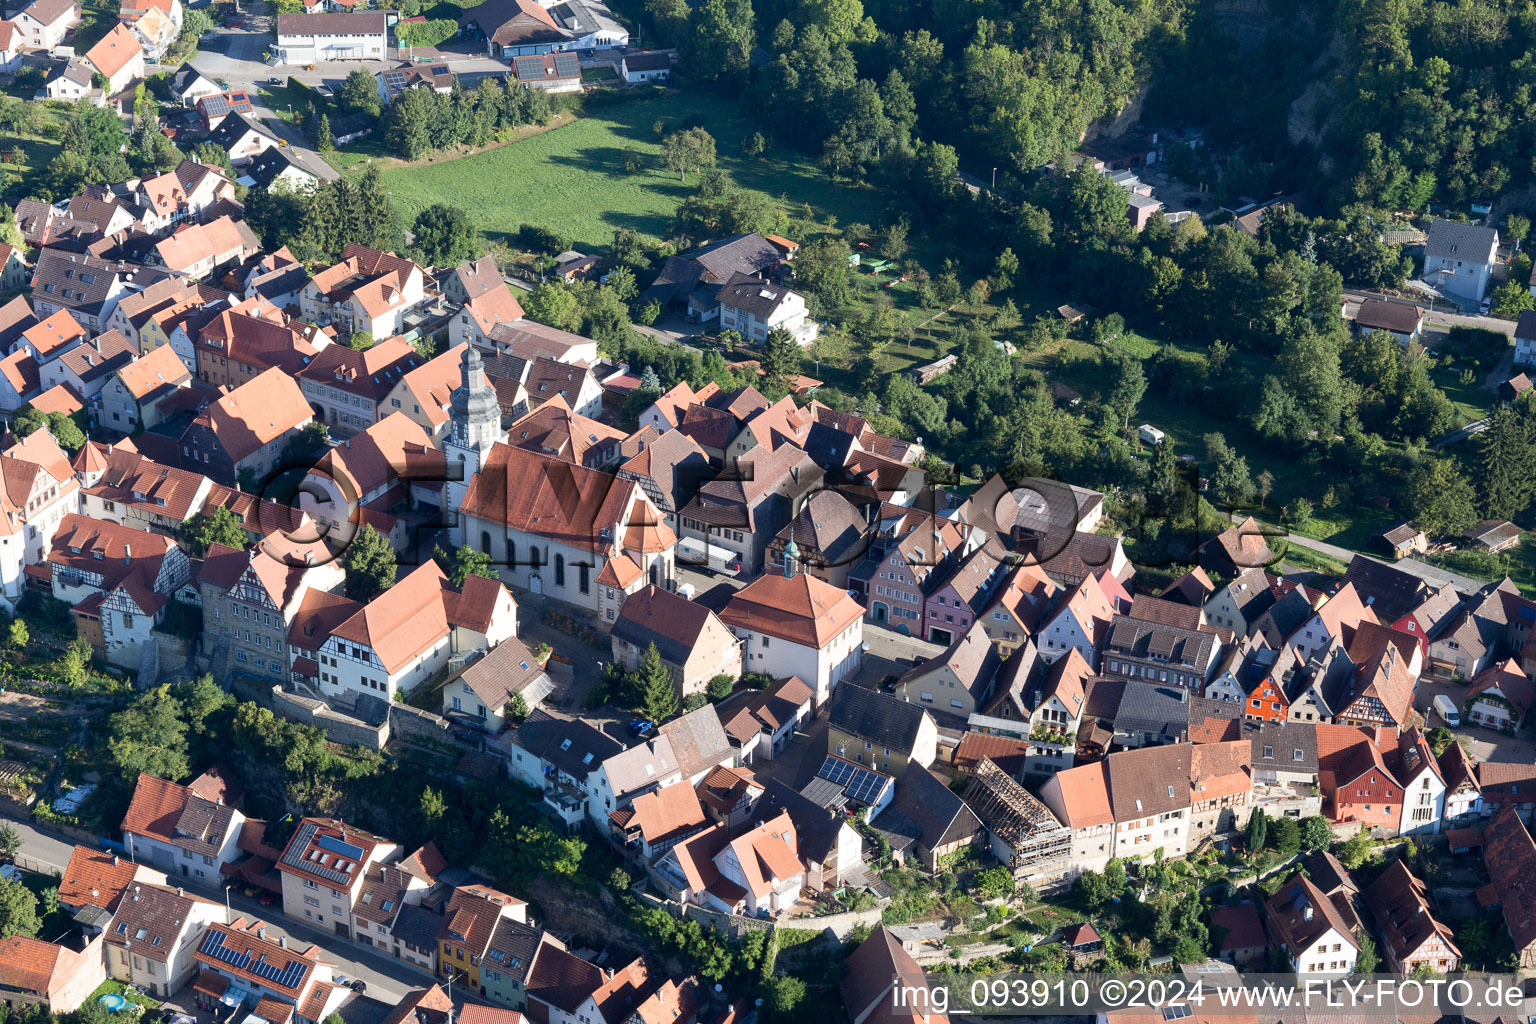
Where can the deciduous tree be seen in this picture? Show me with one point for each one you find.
(370, 564)
(690, 150)
(221, 526)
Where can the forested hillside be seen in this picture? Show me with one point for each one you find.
(1393, 103)
(1408, 101)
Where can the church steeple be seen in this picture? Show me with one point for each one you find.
(474, 412)
(791, 558)
(474, 416)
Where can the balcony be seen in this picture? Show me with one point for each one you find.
(566, 808)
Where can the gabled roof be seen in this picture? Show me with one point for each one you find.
(872, 973)
(150, 919)
(561, 979)
(571, 745)
(158, 368)
(698, 740)
(30, 965)
(403, 621)
(96, 878)
(373, 372)
(392, 450)
(1388, 591)
(471, 915)
(506, 669)
(668, 813)
(328, 851)
(1300, 914)
(1240, 926)
(337, 24)
(881, 718)
(1379, 314)
(115, 51)
(972, 659)
(1509, 682)
(174, 814)
(1400, 902)
(1454, 240)
(801, 609)
(1150, 781)
(241, 950)
(514, 23)
(1510, 857)
(534, 493)
(260, 411)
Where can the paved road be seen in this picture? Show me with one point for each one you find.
(1432, 574)
(1485, 745)
(1353, 298)
(238, 62)
(50, 853)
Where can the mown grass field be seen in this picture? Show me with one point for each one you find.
(572, 178)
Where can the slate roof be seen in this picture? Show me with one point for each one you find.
(1290, 924)
(714, 263)
(881, 718)
(150, 919)
(1390, 316)
(1388, 591)
(504, 670)
(937, 811)
(816, 827)
(1138, 638)
(1281, 740)
(544, 736)
(1454, 240)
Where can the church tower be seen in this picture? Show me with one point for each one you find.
(475, 426)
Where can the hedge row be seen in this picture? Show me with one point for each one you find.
(425, 33)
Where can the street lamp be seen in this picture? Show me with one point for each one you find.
(994, 179)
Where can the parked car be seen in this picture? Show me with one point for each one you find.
(1448, 710)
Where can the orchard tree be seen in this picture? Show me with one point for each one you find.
(689, 150)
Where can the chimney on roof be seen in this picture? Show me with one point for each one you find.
(180, 891)
(261, 933)
(114, 860)
(282, 940)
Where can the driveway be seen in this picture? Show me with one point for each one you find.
(1485, 745)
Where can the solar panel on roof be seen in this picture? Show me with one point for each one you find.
(865, 786)
(836, 770)
(340, 847)
(566, 66)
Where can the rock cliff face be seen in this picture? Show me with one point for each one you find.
(1121, 123)
(1311, 112)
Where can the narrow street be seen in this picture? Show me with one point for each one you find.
(388, 979)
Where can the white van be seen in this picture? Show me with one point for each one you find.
(1448, 710)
